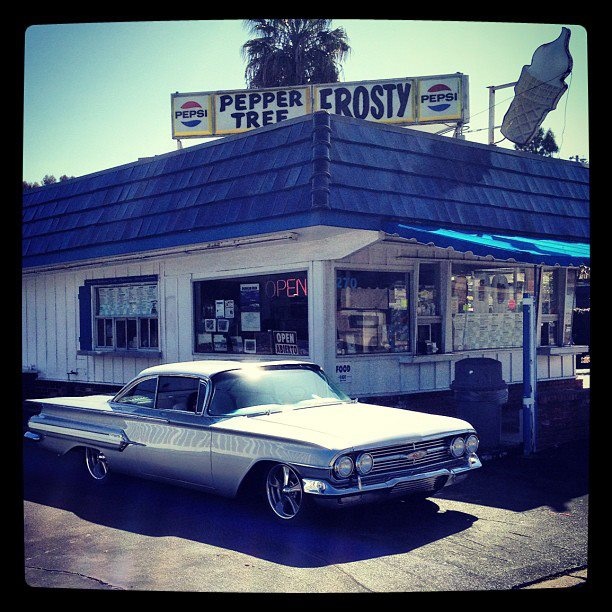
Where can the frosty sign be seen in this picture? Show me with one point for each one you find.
(405, 101)
(386, 101)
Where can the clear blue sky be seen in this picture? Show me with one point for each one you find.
(97, 95)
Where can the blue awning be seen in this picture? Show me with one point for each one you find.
(504, 248)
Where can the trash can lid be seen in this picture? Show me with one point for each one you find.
(478, 373)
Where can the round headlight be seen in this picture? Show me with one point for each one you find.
(364, 463)
(457, 447)
(471, 444)
(343, 466)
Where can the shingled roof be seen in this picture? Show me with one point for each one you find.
(315, 170)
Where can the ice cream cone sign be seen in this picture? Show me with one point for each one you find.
(538, 90)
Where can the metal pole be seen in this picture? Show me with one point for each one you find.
(529, 376)
(492, 89)
(491, 114)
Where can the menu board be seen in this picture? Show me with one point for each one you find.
(127, 301)
(475, 330)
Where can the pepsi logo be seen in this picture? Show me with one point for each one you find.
(439, 97)
(191, 114)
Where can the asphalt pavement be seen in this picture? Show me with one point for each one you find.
(554, 476)
(520, 523)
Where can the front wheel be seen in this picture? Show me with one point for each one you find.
(285, 494)
(96, 464)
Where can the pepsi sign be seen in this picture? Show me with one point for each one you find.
(438, 97)
(191, 115)
(441, 99)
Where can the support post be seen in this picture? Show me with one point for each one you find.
(491, 114)
(529, 376)
(492, 89)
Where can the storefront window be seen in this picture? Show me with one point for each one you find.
(429, 321)
(549, 326)
(126, 317)
(372, 312)
(486, 305)
(570, 304)
(259, 315)
(550, 293)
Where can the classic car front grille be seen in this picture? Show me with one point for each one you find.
(405, 456)
(413, 486)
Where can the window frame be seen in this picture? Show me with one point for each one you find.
(123, 318)
(117, 398)
(562, 317)
(427, 320)
(213, 384)
(204, 385)
(246, 278)
(199, 403)
(409, 276)
(488, 268)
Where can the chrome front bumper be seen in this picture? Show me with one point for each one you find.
(326, 493)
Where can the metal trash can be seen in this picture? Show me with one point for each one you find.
(480, 392)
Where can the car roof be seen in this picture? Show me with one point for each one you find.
(210, 367)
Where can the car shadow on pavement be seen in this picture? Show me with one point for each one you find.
(551, 477)
(157, 510)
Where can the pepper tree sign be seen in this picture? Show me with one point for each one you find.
(414, 100)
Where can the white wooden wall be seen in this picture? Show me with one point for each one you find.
(50, 327)
(50, 313)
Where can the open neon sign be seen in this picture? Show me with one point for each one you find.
(287, 287)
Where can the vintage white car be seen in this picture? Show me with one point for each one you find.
(279, 429)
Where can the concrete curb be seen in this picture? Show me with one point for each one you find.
(572, 579)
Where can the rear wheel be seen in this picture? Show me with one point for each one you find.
(96, 464)
(285, 494)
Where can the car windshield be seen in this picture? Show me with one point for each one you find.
(272, 388)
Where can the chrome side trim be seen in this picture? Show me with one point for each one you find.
(30, 435)
(132, 415)
(71, 430)
(91, 436)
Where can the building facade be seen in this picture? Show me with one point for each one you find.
(381, 253)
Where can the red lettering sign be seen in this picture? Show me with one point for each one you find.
(287, 287)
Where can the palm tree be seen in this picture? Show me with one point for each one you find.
(289, 52)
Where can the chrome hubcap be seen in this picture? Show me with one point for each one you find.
(96, 463)
(284, 491)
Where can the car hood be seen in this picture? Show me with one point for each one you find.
(348, 425)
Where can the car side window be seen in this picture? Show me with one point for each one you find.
(177, 393)
(201, 397)
(141, 394)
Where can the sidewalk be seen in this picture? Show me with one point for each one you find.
(572, 579)
(576, 578)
